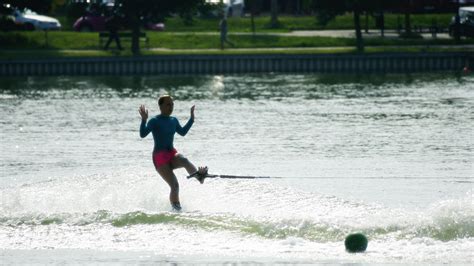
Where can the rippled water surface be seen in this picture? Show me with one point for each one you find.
(390, 156)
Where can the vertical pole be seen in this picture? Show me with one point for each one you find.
(382, 18)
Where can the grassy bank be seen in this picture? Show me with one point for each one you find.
(57, 54)
(90, 41)
(289, 23)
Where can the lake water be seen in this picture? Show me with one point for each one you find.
(390, 156)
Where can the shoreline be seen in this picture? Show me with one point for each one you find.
(198, 64)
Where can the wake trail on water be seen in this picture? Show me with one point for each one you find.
(248, 207)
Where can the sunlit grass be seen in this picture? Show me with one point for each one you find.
(289, 23)
(90, 41)
(52, 53)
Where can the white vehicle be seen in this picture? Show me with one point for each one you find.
(33, 21)
(466, 22)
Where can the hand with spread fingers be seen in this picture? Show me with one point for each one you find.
(143, 112)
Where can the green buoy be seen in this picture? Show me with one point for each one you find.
(356, 243)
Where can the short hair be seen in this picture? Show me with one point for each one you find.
(162, 99)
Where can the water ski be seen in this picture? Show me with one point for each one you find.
(201, 178)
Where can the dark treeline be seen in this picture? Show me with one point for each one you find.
(306, 7)
(289, 7)
(136, 13)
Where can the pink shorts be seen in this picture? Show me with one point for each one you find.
(163, 157)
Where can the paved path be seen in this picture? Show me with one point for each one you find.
(323, 33)
(351, 34)
(467, 48)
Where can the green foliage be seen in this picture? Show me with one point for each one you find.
(7, 23)
(150, 10)
(82, 41)
(326, 10)
(41, 6)
(208, 10)
(140, 12)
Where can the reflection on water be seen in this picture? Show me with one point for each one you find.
(284, 125)
(253, 87)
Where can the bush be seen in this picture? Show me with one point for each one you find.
(208, 10)
(7, 23)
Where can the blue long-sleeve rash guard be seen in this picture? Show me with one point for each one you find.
(163, 129)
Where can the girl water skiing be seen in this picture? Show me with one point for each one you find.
(165, 157)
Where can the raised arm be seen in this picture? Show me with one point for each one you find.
(144, 129)
(184, 130)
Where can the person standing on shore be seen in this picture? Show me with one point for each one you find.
(165, 157)
(113, 25)
(223, 29)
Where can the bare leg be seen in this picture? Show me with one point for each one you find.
(166, 172)
(181, 161)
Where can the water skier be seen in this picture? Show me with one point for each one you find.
(165, 157)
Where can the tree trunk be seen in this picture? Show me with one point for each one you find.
(135, 37)
(407, 18)
(274, 11)
(381, 18)
(358, 30)
(382, 23)
(457, 24)
(407, 23)
(366, 22)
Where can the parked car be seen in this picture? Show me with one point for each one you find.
(155, 26)
(94, 21)
(91, 21)
(466, 22)
(30, 20)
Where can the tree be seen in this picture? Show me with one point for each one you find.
(326, 10)
(356, 8)
(274, 14)
(407, 11)
(253, 6)
(137, 13)
(40, 6)
(457, 21)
